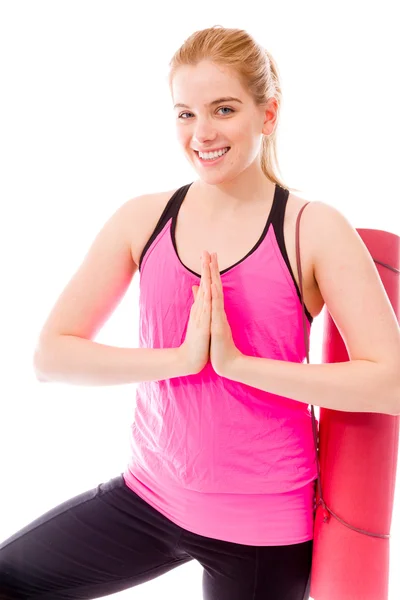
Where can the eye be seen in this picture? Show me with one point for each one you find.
(220, 108)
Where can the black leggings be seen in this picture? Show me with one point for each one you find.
(109, 539)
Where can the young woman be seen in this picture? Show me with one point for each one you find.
(222, 468)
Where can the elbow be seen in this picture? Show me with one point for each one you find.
(43, 357)
(395, 412)
(397, 402)
(40, 378)
(38, 374)
(389, 391)
(38, 367)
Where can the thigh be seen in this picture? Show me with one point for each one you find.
(240, 572)
(284, 572)
(103, 541)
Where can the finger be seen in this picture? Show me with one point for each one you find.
(205, 275)
(206, 312)
(216, 277)
(218, 291)
(206, 297)
(208, 265)
(194, 308)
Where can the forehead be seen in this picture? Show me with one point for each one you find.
(204, 82)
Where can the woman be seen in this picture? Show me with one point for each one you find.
(222, 467)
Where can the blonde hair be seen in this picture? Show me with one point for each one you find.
(255, 67)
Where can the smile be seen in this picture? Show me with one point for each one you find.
(210, 161)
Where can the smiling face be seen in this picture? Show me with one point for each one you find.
(207, 124)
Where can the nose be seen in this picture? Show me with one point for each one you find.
(203, 132)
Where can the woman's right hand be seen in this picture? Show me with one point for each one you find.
(196, 347)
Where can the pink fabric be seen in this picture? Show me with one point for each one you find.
(217, 457)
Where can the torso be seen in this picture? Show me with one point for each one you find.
(196, 232)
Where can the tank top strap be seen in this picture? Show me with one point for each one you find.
(173, 205)
(277, 216)
(170, 211)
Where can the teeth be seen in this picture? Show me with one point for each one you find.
(208, 155)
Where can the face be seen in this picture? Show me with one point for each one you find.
(201, 125)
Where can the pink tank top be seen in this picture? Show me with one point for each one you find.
(217, 457)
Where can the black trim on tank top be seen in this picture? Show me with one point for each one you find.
(276, 217)
(170, 211)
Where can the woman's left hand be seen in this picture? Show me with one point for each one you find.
(223, 351)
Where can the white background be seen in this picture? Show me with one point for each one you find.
(86, 124)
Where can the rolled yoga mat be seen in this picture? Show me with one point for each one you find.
(358, 461)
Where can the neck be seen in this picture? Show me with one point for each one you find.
(249, 189)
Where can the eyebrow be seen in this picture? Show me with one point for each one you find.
(217, 101)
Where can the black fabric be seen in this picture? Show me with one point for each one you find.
(108, 539)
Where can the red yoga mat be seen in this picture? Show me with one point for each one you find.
(358, 460)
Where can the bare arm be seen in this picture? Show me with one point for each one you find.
(80, 361)
(65, 351)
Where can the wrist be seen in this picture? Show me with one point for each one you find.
(182, 364)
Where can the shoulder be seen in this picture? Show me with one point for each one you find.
(142, 214)
(326, 223)
(318, 217)
(322, 231)
(140, 211)
(149, 201)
